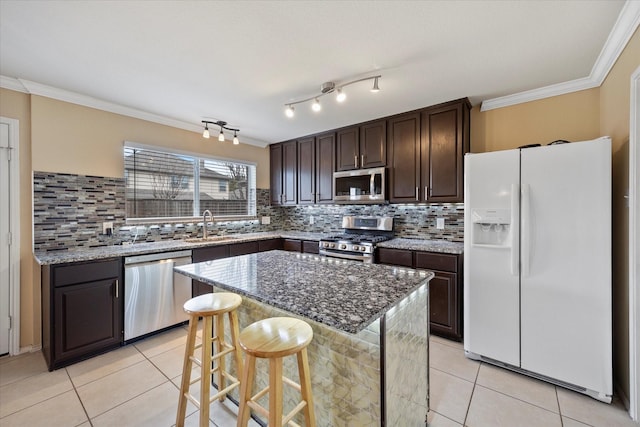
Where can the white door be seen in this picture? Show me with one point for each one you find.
(491, 283)
(5, 272)
(566, 263)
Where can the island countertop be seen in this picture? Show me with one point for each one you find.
(345, 295)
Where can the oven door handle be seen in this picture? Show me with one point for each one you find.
(343, 255)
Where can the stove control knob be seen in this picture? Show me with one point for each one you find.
(356, 248)
(332, 245)
(363, 249)
(343, 246)
(325, 245)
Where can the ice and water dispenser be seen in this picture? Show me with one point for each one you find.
(491, 227)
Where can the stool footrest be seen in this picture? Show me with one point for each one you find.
(224, 392)
(299, 407)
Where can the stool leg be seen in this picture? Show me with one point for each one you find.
(275, 391)
(186, 370)
(205, 372)
(246, 387)
(222, 366)
(305, 388)
(235, 341)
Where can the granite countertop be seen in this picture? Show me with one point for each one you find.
(103, 252)
(443, 246)
(346, 295)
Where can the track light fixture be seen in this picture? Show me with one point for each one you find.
(223, 127)
(329, 87)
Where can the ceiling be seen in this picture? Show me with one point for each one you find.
(243, 61)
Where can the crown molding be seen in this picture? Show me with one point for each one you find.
(626, 24)
(34, 88)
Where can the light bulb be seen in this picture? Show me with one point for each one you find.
(205, 134)
(316, 106)
(235, 138)
(289, 111)
(221, 136)
(375, 87)
(341, 96)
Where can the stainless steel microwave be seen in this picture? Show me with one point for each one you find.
(359, 186)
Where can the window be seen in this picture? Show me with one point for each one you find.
(166, 184)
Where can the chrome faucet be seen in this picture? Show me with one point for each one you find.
(204, 222)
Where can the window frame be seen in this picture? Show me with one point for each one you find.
(251, 196)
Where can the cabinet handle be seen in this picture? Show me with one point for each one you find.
(417, 193)
(355, 161)
(117, 288)
(362, 160)
(427, 192)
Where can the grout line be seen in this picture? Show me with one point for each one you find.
(473, 390)
(75, 390)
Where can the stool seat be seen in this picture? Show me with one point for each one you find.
(213, 304)
(275, 337)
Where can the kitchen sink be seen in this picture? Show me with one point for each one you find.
(208, 239)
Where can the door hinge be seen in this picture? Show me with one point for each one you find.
(9, 238)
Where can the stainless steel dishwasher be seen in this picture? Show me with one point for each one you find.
(153, 293)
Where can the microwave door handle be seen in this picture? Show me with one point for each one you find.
(372, 186)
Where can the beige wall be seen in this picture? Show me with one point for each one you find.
(573, 117)
(70, 138)
(614, 121)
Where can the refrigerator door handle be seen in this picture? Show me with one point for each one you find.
(525, 217)
(515, 214)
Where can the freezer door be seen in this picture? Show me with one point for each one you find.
(491, 283)
(566, 263)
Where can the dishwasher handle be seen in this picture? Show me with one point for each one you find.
(139, 259)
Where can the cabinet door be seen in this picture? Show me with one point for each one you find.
(443, 305)
(244, 248)
(373, 144)
(444, 142)
(275, 165)
(310, 247)
(348, 149)
(306, 171)
(325, 166)
(88, 318)
(206, 254)
(395, 256)
(404, 158)
(289, 172)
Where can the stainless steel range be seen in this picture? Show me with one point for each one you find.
(358, 242)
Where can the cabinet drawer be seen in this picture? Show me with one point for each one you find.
(243, 248)
(269, 245)
(210, 253)
(292, 245)
(395, 257)
(83, 272)
(435, 261)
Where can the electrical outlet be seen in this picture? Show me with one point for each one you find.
(107, 228)
(440, 223)
(311, 219)
(265, 220)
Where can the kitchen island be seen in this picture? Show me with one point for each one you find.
(369, 355)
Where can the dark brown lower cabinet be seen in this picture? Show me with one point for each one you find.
(305, 246)
(292, 245)
(269, 245)
(82, 310)
(445, 289)
(208, 253)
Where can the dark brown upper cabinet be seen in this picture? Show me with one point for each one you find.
(316, 163)
(283, 164)
(426, 153)
(445, 140)
(359, 147)
(404, 158)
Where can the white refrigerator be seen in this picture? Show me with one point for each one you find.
(537, 263)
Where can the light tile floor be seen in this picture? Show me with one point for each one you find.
(137, 385)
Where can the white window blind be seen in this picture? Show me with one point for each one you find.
(171, 185)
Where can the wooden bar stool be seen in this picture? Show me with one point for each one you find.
(274, 339)
(210, 307)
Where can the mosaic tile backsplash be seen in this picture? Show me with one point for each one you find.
(68, 212)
